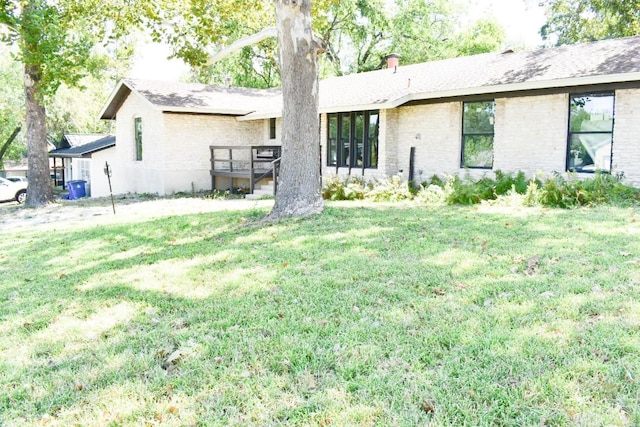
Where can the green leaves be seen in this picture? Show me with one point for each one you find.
(62, 39)
(575, 21)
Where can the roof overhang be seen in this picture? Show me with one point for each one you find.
(115, 100)
(467, 91)
(264, 115)
(68, 154)
(122, 91)
(519, 87)
(212, 111)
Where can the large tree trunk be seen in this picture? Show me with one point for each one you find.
(39, 192)
(299, 184)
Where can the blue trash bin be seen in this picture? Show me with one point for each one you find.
(76, 189)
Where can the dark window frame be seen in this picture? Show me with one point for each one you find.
(346, 147)
(466, 135)
(137, 132)
(272, 128)
(571, 133)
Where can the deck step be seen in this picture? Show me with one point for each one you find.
(260, 191)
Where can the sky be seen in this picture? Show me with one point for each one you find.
(521, 20)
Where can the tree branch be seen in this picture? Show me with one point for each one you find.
(243, 42)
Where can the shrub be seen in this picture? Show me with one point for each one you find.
(555, 191)
(506, 182)
(435, 180)
(532, 194)
(389, 189)
(467, 192)
(431, 195)
(350, 188)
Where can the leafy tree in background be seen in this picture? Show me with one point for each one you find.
(57, 44)
(358, 35)
(11, 105)
(253, 66)
(576, 21)
(486, 35)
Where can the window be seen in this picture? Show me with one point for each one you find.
(590, 132)
(477, 134)
(138, 137)
(82, 169)
(272, 128)
(353, 139)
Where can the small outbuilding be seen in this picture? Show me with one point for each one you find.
(81, 157)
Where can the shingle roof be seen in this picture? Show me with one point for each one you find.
(189, 97)
(604, 61)
(608, 61)
(92, 143)
(78, 139)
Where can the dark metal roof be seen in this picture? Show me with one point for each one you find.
(102, 142)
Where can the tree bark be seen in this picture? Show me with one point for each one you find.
(299, 184)
(6, 145)
(39, 192)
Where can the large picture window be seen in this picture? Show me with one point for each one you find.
(477, 134)
(353, 139)
(590, 132)
(137, 124)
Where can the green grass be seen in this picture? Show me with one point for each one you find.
(364, 315)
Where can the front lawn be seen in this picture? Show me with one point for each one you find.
(364, 315)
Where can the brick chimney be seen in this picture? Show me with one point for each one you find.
(393, 60)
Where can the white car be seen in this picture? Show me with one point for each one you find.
(13, 191)
(17, 178)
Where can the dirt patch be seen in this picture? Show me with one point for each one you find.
(91, 212)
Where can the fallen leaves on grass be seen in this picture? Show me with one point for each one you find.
(427, 407)
(532, 265)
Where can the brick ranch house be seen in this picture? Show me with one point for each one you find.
(549, 110)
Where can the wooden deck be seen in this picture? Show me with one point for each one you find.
(252, 162)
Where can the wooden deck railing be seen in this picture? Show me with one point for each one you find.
(252, 162)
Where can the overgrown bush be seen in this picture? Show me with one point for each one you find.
(431, 195)
(573, 192)
(506, 182)
(350, 188)
(506, 188)
(389, 189)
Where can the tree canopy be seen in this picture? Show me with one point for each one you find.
(358, 35)
(576, 21)
(11, 105)
(57, 43)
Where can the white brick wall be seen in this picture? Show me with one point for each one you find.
(531, 134)
(626, 135)
(188, 137)
(435, 131)
(175, 148)
(129, 175)
(99, 183)
(388, 140)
